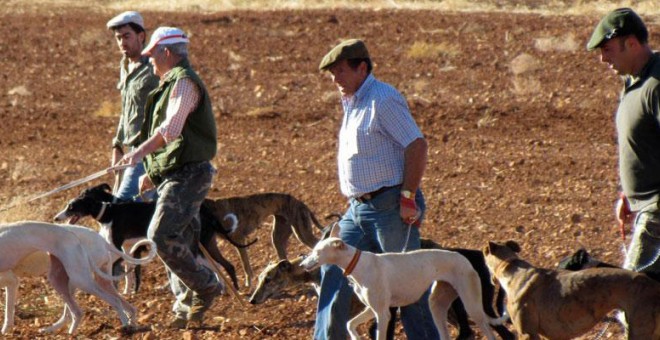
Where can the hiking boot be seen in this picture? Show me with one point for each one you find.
(202, 302)
(178, 323)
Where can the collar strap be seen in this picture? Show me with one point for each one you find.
(104, 205)
(353, 263)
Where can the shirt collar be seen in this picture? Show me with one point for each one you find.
(364, 88)
(645, 71)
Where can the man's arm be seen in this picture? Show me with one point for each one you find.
(415, 158)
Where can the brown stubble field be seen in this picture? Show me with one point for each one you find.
(517, 114)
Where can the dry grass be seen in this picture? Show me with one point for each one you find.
(567, 43)
(423, 50)
(550, 7)
(108, 109)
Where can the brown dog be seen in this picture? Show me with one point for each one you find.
(563, 304)
(291, 216)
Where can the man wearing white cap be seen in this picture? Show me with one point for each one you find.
(136, 80)
(181, 140)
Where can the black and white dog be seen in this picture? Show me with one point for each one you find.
(124, 221)
(582, 260)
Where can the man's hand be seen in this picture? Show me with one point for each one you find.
(623, 214)
(131, 158)
(145, 184)
(117, 154)
(622, 210)
(409, 213)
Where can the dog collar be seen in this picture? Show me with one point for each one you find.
(353, 263)
(100, 215)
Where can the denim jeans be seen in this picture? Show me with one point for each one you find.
(376, 226)
(644, 249)
(175, 229)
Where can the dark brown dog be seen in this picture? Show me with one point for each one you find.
(292, 216)
(564, 304)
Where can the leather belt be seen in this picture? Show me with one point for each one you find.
(371, 195)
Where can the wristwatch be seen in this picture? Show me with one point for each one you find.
(407, 194)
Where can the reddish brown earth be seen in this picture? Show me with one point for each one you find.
(529, 157)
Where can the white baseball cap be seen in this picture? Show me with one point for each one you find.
(130, 17)
(165, 36)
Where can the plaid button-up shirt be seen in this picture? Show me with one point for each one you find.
(376, 129)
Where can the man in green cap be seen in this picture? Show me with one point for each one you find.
(381, 160)
(622, 39)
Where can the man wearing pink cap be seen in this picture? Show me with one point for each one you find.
(136, 80)
(180, 139)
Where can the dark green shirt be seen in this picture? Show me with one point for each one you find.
(135, 87)
(638, 128)
(198, 140)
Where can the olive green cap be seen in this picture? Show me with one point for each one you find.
(620, 22)
(347, 49)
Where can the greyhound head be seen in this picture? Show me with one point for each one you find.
(273, 280)
(88, 203)
(498, 255)
(329, 251)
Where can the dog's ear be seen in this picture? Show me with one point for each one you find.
(334, 230)
(486, 249)
(285, 264)
(511, 244)
(338, 244)
(105, 187)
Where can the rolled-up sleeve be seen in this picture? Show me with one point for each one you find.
(184, 98)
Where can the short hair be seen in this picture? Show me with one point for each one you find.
(354, 63)
(179, 49)
(642, 36)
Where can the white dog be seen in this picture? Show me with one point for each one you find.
(389, 280)
(74, 254)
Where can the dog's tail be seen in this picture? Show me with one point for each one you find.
(135, 261)
(499, 321)
(208, 217)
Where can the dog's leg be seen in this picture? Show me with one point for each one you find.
(302, 229)
(10, 282)
(362, 317)
(280, 236)
(109, 287)
(81, 276)
(469, 291)
(440, 299)
(212, 248)
(249, 274)
(59, 279)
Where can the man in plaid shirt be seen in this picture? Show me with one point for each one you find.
(381, 161)
(179, 140)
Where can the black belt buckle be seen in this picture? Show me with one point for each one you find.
(371, 195)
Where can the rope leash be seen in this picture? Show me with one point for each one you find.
(69, 185)
(227, 282)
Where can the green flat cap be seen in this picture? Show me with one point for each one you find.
(347, 49)
(620, 22)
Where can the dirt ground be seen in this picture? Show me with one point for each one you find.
(517, 114)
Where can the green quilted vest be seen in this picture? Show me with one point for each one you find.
(198, 140)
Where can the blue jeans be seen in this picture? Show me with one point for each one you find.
(129, 187)
(644, 249)
(374, 226)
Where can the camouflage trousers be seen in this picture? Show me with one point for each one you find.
(644, 251)
(175, 229)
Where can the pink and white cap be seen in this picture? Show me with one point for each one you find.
(165, 36)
